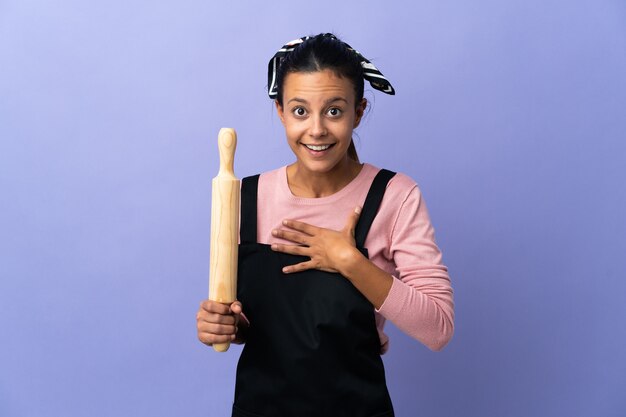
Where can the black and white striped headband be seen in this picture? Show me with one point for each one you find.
(370, 72)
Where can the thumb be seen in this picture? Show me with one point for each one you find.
(353, 219)
(236, 307)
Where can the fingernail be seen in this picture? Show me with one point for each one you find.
(274, 232)
(274, 247)
(358, 210)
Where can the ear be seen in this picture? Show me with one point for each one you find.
(280, 111)
(360, 110)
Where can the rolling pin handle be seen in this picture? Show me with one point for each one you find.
(227, 143)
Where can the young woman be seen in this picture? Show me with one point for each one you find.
(330, 249)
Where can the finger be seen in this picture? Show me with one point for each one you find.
(291, 236)
(290, 249)
(353, 219)
(211, 306)
(301, 226)
(205, 317)
(302, 266)
(214, 328)
(210, 339)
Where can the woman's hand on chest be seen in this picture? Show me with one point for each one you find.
(328, 250)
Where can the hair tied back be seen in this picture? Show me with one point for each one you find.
(370, 73)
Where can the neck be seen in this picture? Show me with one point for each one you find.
(310, 184)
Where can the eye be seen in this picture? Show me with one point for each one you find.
(299, 111)
(334, 112)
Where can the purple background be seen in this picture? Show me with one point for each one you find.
(511, 116)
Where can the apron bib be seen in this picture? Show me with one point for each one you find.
(312, 348)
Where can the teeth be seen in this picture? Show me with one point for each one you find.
(318, 147)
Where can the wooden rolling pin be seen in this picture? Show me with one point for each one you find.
(224, 226)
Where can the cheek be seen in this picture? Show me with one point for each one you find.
(290, 131)
(293, 135)
(346, 130)
(293, 129)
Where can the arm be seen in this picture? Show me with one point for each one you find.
(420, 301)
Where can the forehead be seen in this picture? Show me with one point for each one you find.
(318, 84)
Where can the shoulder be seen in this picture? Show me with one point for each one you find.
(403, 204)
(271, 179)
(272, 175)
(399, 188)
(402, 183)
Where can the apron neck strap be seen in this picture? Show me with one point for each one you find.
(371, 205)
(247, 228)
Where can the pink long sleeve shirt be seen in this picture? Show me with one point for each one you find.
(401, 242)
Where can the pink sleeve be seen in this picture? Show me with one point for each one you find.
(420, 301)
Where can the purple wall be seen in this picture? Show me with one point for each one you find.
(510, 115)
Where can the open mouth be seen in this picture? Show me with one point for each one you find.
(319, 148)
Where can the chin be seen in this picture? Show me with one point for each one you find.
(320, 167)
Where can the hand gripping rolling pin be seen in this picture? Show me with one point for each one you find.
(224, 227)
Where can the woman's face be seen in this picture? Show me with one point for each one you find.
(319, 113)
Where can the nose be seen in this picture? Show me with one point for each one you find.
(317, 128)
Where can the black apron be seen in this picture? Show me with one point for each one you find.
(312, 348)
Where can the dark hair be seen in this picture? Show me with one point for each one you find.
(323, 52)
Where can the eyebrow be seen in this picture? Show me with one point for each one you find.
(331, 100)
